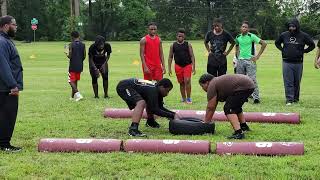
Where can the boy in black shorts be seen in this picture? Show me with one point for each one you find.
(76, 54)
(142, 94)
(216, 42)
(99, 54)
(234, 89)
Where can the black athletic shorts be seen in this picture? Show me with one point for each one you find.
(104, 74)
(129, 95)
(235, 102)
(217, 65)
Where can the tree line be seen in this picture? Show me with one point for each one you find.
(126, 20)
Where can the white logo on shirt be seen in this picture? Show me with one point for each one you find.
(128, 92)
(293, 40)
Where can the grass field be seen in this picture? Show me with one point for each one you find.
(46, 111)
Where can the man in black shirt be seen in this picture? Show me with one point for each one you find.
(76, 54)
(142, 94)
(11, 82)
(99, 54)
(292, 44)
(218, 38)
(184, 59)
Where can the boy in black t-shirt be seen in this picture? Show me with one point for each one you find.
(76, 54)
(99, 54)
(140, 94)
(184, 59)
(218, 39)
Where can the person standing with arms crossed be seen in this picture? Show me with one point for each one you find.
(247, 58)
(151, 55)
(11, 82)
(182, 53)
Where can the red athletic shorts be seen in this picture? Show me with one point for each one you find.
(155, 74)
(74, 76)
(183, 72)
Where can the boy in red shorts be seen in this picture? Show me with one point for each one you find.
(151, 55)
(77, 54)
(184, 59)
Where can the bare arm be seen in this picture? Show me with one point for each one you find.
(229, 50)
(207, 46)
(237, 51)
(192, 59)
(70, 51)
(142, 44)
(84, 53)
(105, 64)
(91, 63)
(162, 59)
(317, 59)
(211, 108)
(170, 59)
(263, 47)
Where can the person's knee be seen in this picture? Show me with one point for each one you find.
(187, 81)
(141, 103)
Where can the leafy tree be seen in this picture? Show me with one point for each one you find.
(135, 15)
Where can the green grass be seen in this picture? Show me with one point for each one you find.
(46, 111)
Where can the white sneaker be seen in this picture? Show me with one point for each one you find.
(289, 104)
(78, 96)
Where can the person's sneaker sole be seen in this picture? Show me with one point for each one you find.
(78, 99)
(141, 135)
(246, 129)
(10, 150)
(147, 125)
(234, 137)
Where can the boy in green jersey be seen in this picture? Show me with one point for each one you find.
(247, 58)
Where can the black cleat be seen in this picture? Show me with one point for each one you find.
(245, 127)
(136, 133)
(10, 148)
(236, 136)
(152, 123)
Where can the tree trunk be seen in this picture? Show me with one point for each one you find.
(209, 19)
(76, 8)
(71, 8)
(90, 10)
(4, 7)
